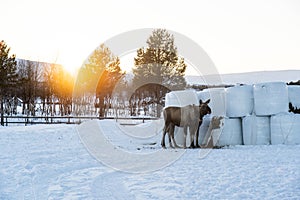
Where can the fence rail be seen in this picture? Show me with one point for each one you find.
(27, 120)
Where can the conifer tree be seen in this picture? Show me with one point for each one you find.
(101, 72)
(159, 63)
(8, 75)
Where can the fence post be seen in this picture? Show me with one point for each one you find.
(26, 120)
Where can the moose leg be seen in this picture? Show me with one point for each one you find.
(171, 136)
(172, 129)
(197, 135)
(184, 134)
(170, 141)
(192, 136)
(163, 138)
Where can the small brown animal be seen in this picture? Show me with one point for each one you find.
(187, 117)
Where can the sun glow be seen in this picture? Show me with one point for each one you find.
(71, 69)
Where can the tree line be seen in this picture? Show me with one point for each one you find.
(33, 86)
(157, 69)
(100, 87)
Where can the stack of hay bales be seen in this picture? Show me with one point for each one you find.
(285, 126)
(252, 115)
(228, 131)
(271, 101)
(246, 114)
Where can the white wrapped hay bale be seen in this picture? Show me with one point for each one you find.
(181, 98)
(203, 131)
(179, 136)
(294, 95)
(239, 101)
(256, 130)
(229, 131)
(217, 100)
(270, 98)
(285, 128)
(203, 95)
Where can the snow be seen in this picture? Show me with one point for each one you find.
(55, 162)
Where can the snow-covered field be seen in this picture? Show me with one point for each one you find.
(54, 162)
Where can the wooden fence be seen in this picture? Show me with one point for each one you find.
(28, 120)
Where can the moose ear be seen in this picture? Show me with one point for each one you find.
(200, 102)
(206, 102)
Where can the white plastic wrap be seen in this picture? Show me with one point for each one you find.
(181, 98)
(294, 95)
(256, 130)
(270, 98)
(203, 95)
(217, 100)
(239, 101)
(179, 136)
(203, 136)
(285, 128)
(228, 133)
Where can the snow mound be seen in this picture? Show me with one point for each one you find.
(285, 128)
(270, 98)
(256, 130)
(239, 101)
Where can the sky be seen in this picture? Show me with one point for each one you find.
(238, 36)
